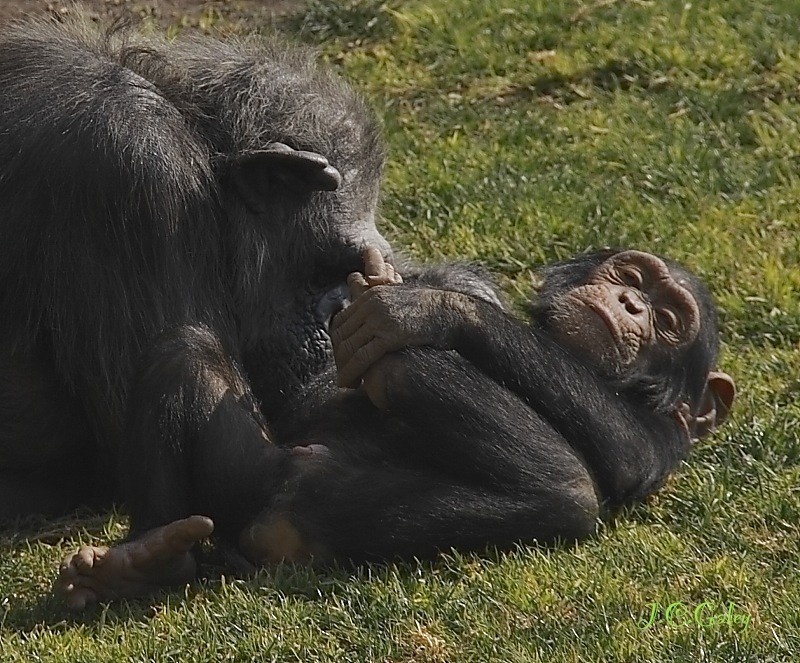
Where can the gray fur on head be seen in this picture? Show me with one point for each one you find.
(121, 214)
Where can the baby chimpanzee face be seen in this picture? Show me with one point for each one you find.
(630, 310)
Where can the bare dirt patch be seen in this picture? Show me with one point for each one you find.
(202, 14)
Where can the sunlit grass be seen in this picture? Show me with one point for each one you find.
(521, 132)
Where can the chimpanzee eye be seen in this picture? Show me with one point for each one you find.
(631, 276)
(667, 320)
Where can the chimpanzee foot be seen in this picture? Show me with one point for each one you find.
(273, 538)
(161, 557)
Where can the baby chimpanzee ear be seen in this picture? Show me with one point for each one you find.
(715, 405)
(256, 172)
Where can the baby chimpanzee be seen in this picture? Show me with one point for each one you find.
(471, 427)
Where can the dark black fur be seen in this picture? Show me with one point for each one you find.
(508, 438)
(134, 199)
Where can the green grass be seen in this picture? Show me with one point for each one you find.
(521, 132)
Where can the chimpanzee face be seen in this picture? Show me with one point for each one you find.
(630, 311)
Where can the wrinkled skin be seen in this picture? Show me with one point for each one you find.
(630, 305)
(630, 308)
(160, 558)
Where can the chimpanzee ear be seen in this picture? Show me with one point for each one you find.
(254, 172)
(716, 403)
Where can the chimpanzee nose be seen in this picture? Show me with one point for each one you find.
(632, 302)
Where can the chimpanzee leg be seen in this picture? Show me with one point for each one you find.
(196, 441)
(480, 468)
(374, 512)
(196, 444)
(47, 460)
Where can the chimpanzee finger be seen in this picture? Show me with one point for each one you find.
(385, 279)
(345, 347)
(87, 558)
(366, 356)
(357, 284)
(346, 322)
(180, 535)
(393, 275)
(373, 263)
(683, 417)
(385, 276)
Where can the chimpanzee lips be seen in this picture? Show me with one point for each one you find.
(594, 332)
(608, 320)
(330, 303)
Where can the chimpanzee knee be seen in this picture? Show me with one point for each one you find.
(575, 509)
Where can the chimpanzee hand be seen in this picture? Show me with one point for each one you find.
(376, 272)
(388, 318)
(715, 406)
(382, 320)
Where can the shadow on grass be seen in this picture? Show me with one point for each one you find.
(38, 529)
(27, 612)
(566, 89)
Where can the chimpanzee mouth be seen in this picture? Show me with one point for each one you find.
(597, 332)
(607, 320)
(624, 343)
(330, 303)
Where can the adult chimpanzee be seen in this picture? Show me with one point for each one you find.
(146, 186)
(490, 431)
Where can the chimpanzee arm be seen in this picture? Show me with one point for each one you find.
(467, 278)
(629, 448)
